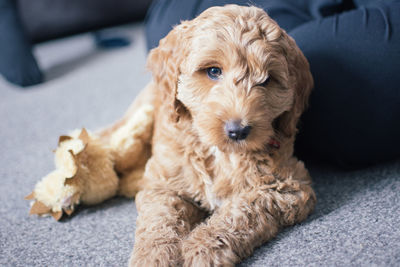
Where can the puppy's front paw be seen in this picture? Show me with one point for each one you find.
(84, 172)
(205, 248)
(156, 255)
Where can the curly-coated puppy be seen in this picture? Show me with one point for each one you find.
(232, 86)
(214, 163)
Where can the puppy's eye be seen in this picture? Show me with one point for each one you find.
(265, 83)
(214, 73)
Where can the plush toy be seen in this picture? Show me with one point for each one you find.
(92, 167)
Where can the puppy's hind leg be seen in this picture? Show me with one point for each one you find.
(130, 141)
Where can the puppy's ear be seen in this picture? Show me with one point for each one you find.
(164, 62)
(300, 81)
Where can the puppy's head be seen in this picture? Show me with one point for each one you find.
(236, 75)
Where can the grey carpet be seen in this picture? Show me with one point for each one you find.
(356, 221)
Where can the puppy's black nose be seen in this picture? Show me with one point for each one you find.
(235, 131)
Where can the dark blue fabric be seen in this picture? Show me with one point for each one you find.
(354, 53)
(17, 63)
(354, 114)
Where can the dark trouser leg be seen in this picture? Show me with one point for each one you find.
(354, 114)
(163, 15)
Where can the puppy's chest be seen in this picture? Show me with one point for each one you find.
(217, 173)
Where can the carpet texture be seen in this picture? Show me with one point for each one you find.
(355, 223)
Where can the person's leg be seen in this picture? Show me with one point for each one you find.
(354, 113)
(163, 15)
(17, 63)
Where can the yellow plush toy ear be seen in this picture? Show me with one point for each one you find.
(164, 62)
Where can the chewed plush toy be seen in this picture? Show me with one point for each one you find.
(91, 168)
(207, 147)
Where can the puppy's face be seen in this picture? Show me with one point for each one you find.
(234, 78)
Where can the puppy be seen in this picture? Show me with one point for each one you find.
(231, 86)
(208, 145)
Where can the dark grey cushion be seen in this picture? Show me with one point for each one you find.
(48, 19)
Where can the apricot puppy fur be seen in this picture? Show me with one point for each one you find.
(231, 86)
(208, 145)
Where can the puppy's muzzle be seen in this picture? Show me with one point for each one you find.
(235, 131)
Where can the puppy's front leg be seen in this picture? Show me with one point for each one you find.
(229, 235)
(164, 220)
(242, 224)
